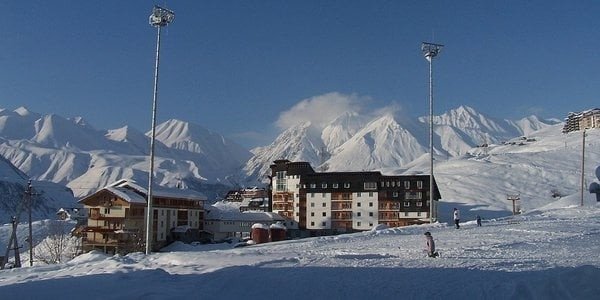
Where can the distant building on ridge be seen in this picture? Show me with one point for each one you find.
(582, 120)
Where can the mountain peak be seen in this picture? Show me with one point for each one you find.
(23, 111)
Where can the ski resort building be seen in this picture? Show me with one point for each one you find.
(337, 202)
(117, 217)
(582, 120)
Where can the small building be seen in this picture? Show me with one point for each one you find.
(223, 220)
(116, 220)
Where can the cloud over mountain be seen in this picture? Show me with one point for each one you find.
(321, 110)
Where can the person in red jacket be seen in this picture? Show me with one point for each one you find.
(430, 245)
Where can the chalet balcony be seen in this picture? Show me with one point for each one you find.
(342, 225)
(96, 215)
(99, 229)
(342, 217)
(390, 207)
(341, 206)
(385, 217)
(341, 197)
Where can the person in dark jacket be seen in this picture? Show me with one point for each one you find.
(456, 217)
(478, 221)
(430, 245)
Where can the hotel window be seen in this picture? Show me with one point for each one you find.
(370, 194)
(312, 214)
(324, 214)
(393, 184)
(358, 214)
(346, 185)
(370, 185)
(312, 204)
(407, 184)
(395, 194)
(324, 204)
(370, 204)
(387, 184)
(419, 203)
(312, 223)
(370, 214)
(406, 204)
(358, 194)
(419, 184)
(357, 204)
(418, 214)
(358, 224)
(324, 224)
(370, 224)
(297, 214)
(313, 185)
(413, 195)
(281, 181)
(406, 214)
(335, 185)
(312, 195)
(324, 185)
(323, 195)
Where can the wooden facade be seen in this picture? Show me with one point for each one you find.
(117, 217)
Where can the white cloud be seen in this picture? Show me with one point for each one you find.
(322, 109)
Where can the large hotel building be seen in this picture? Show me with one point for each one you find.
(337, 202)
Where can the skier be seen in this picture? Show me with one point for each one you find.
(478, 221)
(456, 218)
(430, 245)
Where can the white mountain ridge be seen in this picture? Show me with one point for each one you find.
(387, 141)
(73, 153)
(197, 158)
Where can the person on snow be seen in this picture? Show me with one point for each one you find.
(456, 218)
(478, 221)
(430, 245)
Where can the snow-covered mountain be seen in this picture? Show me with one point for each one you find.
(47, 197)
(387, 141)
(73, 153)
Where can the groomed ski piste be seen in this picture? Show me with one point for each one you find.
(549, 253)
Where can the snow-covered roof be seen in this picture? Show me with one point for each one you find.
(126, 194)
(230, 211)
(260, 225)
(159, 191)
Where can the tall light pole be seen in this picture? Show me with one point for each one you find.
(159, 18)
(582, 166)
(430, 51)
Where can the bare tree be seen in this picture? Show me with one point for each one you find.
(58, 246)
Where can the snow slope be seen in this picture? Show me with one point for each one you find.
(543, 254)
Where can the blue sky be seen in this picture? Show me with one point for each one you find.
(237, 66)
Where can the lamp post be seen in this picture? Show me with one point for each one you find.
(582, 166)
(159, 18)
(430, 51)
